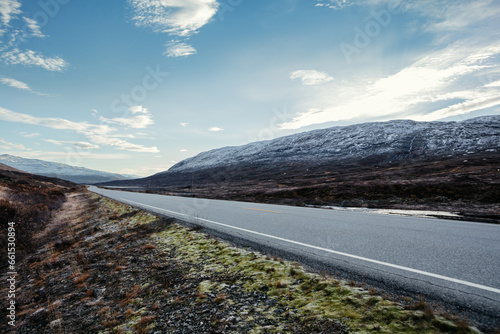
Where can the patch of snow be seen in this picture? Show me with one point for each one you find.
(412, 213)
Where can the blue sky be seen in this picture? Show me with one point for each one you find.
(135, 86)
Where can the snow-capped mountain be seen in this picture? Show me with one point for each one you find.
(393, 140)
(59, 170)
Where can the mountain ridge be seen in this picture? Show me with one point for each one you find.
(408, 136)
(59, 170)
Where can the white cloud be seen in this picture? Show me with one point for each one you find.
(136, 122)
(451, 79)
(456, 16)
(474, 100)
(5, 145)
(181, 18)
(493, 84)
(140, 121)
(334, 4)
(13, 36)
(175, 17)
(450, 82)
(8, 9)
(35, 28)
(98, 134)
(53, 123)
(79, 144)
(179, 49)
(183, 150)
(215, 129)
(19, 85)
(310, 77)
(121, 144)
(441, 17)
(32, 58)
(183, 124)
(137, 110)
(15, 83)
(29, 135)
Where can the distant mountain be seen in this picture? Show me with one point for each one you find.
(394, 162)
(59, 170)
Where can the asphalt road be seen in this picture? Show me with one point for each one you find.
(457, 263)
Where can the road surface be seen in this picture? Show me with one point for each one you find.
(454, 262)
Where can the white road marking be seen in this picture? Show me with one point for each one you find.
(421, 272)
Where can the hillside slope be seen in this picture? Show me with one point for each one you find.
(8, 168)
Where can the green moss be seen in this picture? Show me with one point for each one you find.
(307, 293)
(206, 286)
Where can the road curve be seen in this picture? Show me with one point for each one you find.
(454, 262)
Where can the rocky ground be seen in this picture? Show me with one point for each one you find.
(104, 267)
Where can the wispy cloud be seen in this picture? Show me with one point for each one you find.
(32, 58)
(5, 145)
(183, 124)
(29, 135)
(441, 17)
(334, 4)
(15, 83)
(215, 129)
(179, 49)
(34, 27)
(453, 16)
(493, 84)
(99, 134)
(19, 85)
(310, 77)
(109, 140)
(453, 77)
(79, 144)
(53, 123)
(141, 119)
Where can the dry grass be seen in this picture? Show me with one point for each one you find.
(128, 313)
(423, 306)
(220, 297)
(81, 279)
(104, 310)
(142, 325)
(130, 295)
(120, 268)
